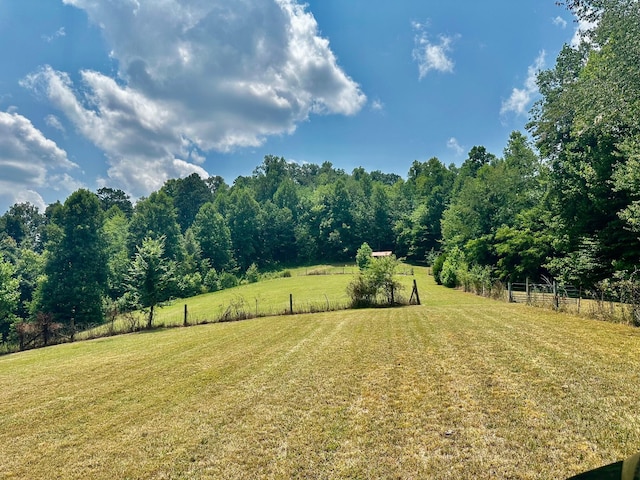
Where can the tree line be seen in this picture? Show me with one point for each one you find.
(565, 205)
(572, 212)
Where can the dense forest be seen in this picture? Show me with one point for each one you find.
(562, 203)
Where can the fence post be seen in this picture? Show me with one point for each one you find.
(393, 301)
(556, 303)
(185, 323)
(291, 303)
(527, 288)
(415, 289)
(510, 292)
(579, 299)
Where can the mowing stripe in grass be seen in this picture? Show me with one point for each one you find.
(462, 387)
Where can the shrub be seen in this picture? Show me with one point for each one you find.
(437, 267)
(376, 280)
(363, 256)
(190, 285)
(212, 280)
(252, 275)
(452, 268)
(228, 280)
(362, 292)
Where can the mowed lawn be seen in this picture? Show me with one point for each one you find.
(460, 387)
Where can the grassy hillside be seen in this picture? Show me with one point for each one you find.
(461, 387)
(319, 288)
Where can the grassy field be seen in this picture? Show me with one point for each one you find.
(460, 387)
(319, 288)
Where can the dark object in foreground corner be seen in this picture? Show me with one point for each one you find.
(627, 470)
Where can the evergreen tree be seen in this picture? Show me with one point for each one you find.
(150, 275)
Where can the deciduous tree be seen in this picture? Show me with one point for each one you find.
(76, 267)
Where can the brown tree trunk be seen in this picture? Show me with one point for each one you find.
(150, 321)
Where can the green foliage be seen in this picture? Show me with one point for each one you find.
(214, 237)
(586, 125)
(228, 280)
(376, 280)
(188, 195)
(25, 224)
(76, 264)
(454, 264)
(437, 267)
(29, 268)
(110, 198)
(361, 291)
(243, 218)
(212, 281)
(116, 227)
(363, 256)
(277, 233)
(9, 297)
(156, 217)
(252, 275)
(190, 284)
(150, 274)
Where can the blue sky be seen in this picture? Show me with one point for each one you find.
(129, 93)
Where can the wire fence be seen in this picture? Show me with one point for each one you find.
(616, 301)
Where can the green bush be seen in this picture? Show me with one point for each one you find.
(212, 281)
(437, 267)
(228, 280)
(190, 285)
(363, 256)
(377, 280)
(362, 292)
(252, 275)
(452, 268)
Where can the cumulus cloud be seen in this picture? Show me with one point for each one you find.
(28, 159)
(453, 144)
(429, 55)
(521, 98)
(197, 76)
(580, 35)
(29, 196)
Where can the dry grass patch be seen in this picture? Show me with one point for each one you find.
(461, 387)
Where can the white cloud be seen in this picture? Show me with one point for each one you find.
(560, 22)
(454, 145)
(521, 98)
(59, 33)
(196, 76)
(30, 196)
(377, 105)
(582, 29)
(431, 56)
(54, 122)
(28, 159)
